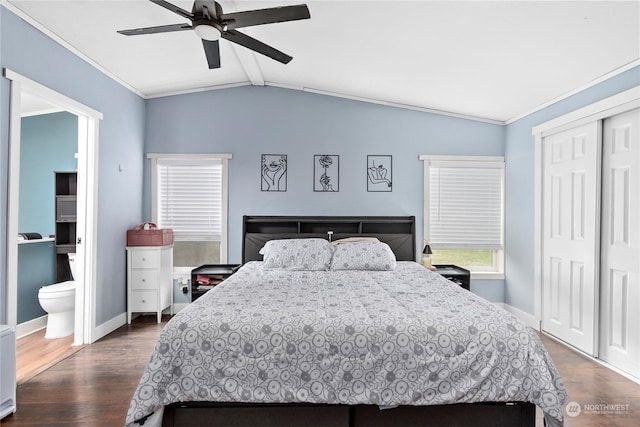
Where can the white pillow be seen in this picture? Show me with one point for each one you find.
(363, 256)
(355, 239)
(297, 254)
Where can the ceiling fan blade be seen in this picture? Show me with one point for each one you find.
(212, 50)
(265, 16)
(173, 8)
(256, 45)
(158, 29)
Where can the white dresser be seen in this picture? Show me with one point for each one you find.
(149, 279)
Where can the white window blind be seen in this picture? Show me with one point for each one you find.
(466, 204)
(190, 198)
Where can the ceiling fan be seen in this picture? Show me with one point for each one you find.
(210, 24)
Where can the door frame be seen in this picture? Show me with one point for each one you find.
(619, 103)
(88, 140)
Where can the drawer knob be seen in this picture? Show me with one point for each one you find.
(144, 300)
(144, 280)
(144, 259)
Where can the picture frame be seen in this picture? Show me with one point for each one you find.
(379, 173)
(326, 173)
(273, 172)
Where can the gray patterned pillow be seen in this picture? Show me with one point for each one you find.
(363, 256)
(297, 254)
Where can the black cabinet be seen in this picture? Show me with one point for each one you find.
(66, 193)
(207, 276)
(456, 274)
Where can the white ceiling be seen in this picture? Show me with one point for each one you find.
(491, 60)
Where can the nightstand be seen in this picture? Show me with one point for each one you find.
(208, 276)
(456, 274)
(149, 279)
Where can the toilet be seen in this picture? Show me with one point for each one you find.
(59, 300)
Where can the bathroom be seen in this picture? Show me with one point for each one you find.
(48, 144)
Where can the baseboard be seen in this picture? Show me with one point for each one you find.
(179, 306)
(109, 326)
(31, 326)
(529, 319)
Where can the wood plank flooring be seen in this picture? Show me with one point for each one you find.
(93, 386)
(35, 353)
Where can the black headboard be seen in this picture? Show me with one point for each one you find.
(399, 232)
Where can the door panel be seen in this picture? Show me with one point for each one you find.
(570, 240)
(620, 282)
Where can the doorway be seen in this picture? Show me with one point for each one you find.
(88, 120)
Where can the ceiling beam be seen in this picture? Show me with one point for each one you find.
(246, 57)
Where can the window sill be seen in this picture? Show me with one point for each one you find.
(486, 275)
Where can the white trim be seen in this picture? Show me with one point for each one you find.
(13, 191)
(579, 89)
(88, 137)
(615, 104)
(597, 110)
(63, 101)
(179, 306)
(525, 317)
(489, 275)
(11, 7)
(109, 326)
(31, 326)
(385, 103)
(428, 157)
(179, 156)
(196, 90)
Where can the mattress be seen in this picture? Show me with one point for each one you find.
(387, 338)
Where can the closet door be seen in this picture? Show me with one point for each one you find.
(570, 224)
(620, 244)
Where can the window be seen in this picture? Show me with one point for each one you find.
(190, 197)
(464, 211)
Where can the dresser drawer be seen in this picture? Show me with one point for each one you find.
(143, 278)
(144, 301)
(145, 259)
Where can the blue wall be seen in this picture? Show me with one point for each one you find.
(36, 268)
(250, 121)
(519, 159)
(30, 53)
(48, 143)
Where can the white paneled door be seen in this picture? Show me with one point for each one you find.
(570, 221)
(620, 243)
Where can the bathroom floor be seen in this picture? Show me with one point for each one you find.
(35, 353)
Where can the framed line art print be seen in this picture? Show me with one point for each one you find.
(379, 173)
(273, 172)
(326, 173)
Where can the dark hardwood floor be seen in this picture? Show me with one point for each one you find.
(93, 386)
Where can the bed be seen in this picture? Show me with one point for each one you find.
(343, 334)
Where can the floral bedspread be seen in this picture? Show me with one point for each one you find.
(402, 337)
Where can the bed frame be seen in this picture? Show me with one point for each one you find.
(399, 233)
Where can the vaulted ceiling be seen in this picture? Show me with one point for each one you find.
(491, 60)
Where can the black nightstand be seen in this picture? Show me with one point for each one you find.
(207, 276)
(456, 274)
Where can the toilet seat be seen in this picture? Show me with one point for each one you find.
(58, 290)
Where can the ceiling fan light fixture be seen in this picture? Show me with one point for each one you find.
(207, 32)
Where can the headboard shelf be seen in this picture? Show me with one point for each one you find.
(397, 231)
